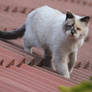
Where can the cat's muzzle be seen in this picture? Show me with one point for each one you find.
(73, 31)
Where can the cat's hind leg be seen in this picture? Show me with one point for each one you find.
(27, 49)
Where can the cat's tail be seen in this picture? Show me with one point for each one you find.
(10, 35)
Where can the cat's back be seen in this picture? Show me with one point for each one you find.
(48, 11)
(45, 14)
(43, 18)
(44, 22)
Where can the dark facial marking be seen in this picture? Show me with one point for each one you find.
(85, 19)
(69, 15)
(73, 30)
(69, 27)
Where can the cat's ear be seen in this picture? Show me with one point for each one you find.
(85, 19)
(69, 15)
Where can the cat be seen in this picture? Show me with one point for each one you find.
(62, 34)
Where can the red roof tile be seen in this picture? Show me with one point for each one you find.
(14, 56)
(46, 74)
(7, 87)
(80, 75)
(14, 81)
(17, 50)
(31, 79)
(87, 65)
(77, 76)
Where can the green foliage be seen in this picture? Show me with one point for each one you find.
(91, 78)
(82, 87)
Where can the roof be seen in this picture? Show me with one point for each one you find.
(17, 70)
(28, 78)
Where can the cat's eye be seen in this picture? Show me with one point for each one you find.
(69, 25)
(78, 28)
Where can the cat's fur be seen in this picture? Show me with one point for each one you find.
(62, 34)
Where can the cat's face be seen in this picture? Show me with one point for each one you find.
(76, 27)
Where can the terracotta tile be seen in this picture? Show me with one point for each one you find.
(48, 75)
(15, 57)
(84, 65)
(48, 85)
(29, 58)
(7, 87)
(7, 60)
(1, 60)
(80, 75)
(77, 76)
(12, 77)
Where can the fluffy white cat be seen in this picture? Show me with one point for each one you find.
(62, 34)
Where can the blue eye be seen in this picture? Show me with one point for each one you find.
(69, 25)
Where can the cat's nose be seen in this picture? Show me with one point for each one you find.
(72, 32)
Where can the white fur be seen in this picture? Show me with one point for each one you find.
(44, 28)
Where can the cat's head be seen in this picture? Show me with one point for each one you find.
(75, 26)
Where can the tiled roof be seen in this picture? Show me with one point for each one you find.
(80, 75)
(29, 79)
(16, 74)
(13, 55)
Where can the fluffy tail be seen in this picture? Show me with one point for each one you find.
(13, 34)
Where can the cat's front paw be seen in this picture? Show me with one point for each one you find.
(67, 76)
(71, 71)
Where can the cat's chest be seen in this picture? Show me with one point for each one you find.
(70, 46)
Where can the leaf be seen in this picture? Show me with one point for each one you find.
(85, 86)
(91, 78)
(64, 89)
